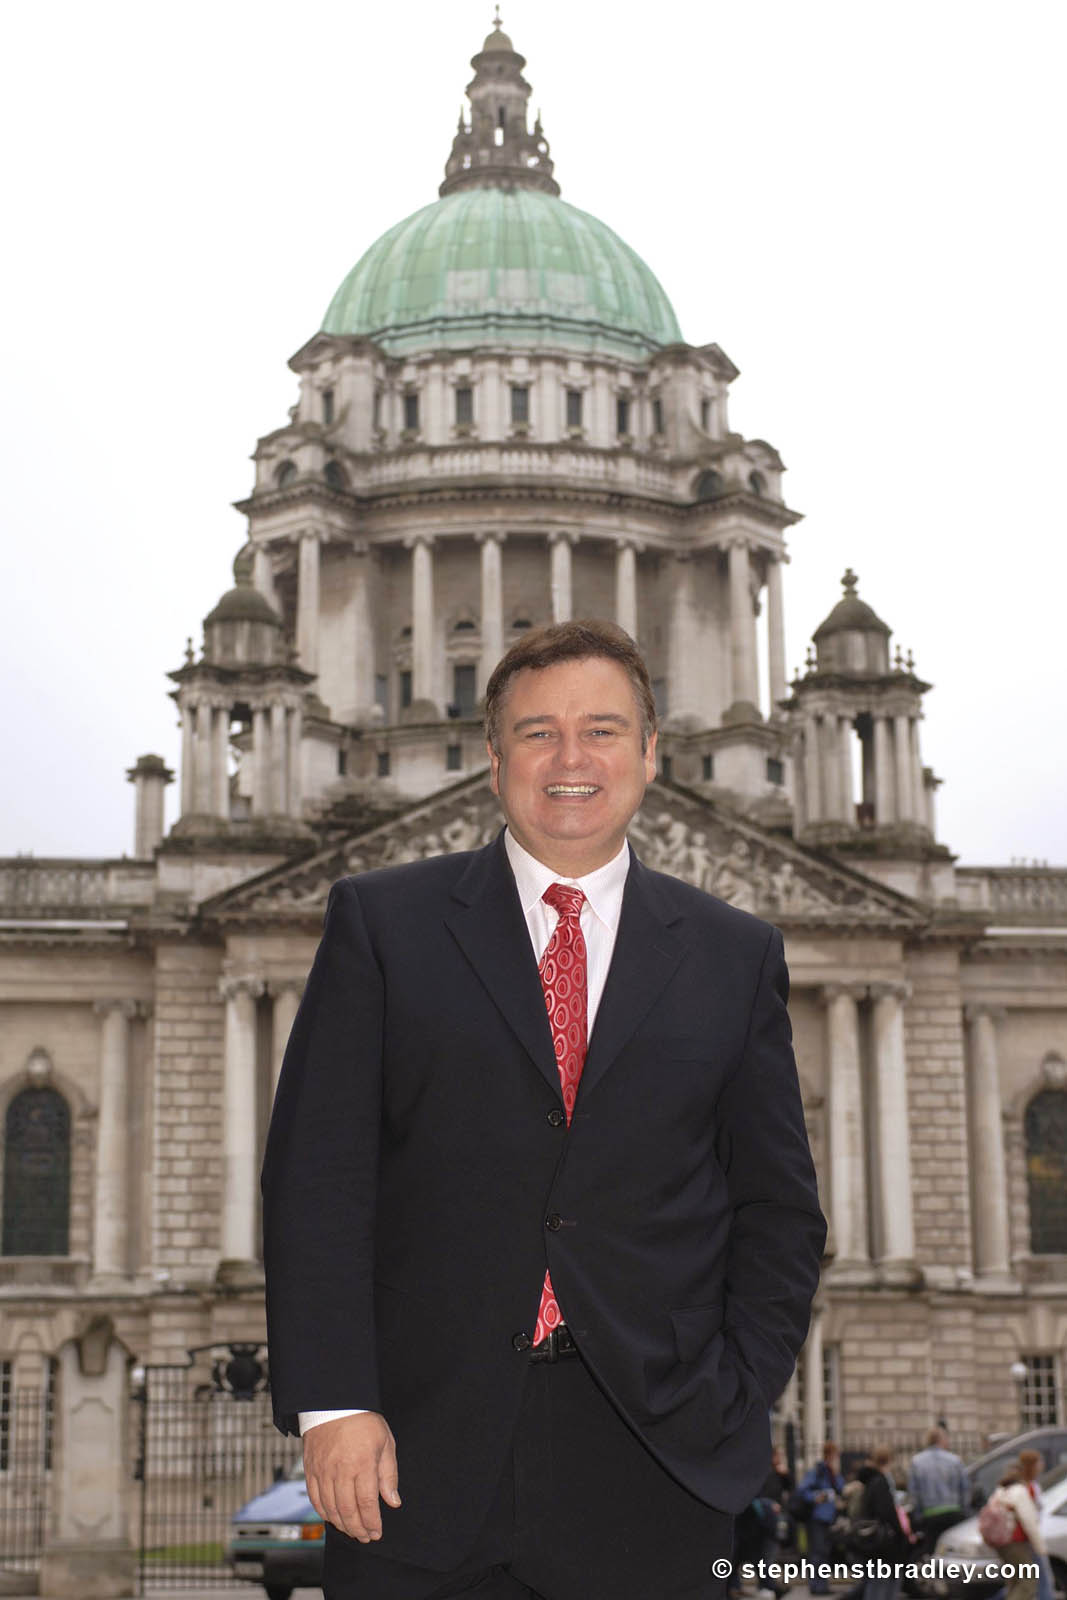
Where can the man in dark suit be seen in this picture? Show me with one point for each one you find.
(537, 1194)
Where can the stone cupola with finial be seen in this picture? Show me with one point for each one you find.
(855, 714)
(244, 709)
(496, 147)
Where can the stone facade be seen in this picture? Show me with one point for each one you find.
(330, 725)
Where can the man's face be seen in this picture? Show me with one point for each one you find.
(570, 772)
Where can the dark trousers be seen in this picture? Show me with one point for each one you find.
(583, 1512)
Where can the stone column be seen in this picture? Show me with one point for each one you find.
(220, 765)
(492, 607)
(742, 628)
(892, 1135)
(263, 575)
(902, 750)
(919, 811)
(362, 622)
(260, 761)
(846, 799)
(111, 1196)
(775, 634)
(814, 1409)
(560, 580)
(286, 993)
(279, 778)
(626, 586)
(188, 779)
(295, 733)
(307, 602)
(989, 1191)
(885, 811)
(238, 1232)
(422, 618)
(202, 800)
(683, 689)
(813, 795)
(848, 1177)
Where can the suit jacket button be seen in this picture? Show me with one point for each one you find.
(554, 1222)
(521, 1341)
(556, 1117)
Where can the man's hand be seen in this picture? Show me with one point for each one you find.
(348, 1463)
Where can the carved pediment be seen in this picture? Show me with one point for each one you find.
(675, 831)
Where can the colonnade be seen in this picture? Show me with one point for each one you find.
(686, 670)
(277, 728)
(893, 779)
(869, 1155)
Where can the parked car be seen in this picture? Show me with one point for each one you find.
(277, 1539)
(986, 1472)
(965, 1543)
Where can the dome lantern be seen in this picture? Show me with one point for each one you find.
(496, 147)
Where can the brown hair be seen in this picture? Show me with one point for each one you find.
(1030, 1464)
(570, 641)
(881, 1455)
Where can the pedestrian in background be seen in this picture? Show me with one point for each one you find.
(821, 1487)
(880, 1505)
(938, 1489)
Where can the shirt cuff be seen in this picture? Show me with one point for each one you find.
(311, 1419)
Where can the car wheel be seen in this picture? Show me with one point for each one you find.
(278, 1591)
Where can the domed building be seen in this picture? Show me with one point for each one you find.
(500, 424)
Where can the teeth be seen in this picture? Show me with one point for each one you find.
(572, 788)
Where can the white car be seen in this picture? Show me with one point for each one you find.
(965, 1543)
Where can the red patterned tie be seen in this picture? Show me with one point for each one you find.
(564, 978)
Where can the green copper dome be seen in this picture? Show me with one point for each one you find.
(505, 266)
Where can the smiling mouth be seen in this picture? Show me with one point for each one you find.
(572, 790)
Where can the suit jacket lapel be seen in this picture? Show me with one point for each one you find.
(489, 926)
(647, 951)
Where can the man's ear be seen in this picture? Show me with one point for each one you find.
(494, 769)
(650, 756)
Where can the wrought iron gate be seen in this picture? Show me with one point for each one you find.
(206, 1446)
(25, 1472)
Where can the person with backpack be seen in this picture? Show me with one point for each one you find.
(1008, 1522)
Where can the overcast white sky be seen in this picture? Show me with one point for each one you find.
(860, 202)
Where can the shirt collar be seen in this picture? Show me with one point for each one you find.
(602, 888)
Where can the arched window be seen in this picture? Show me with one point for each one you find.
(37, 1175)
(709, 485)
(284, 472)
(335, 475)
(757, 483)
(1045, 1130)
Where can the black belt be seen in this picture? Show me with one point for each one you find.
(557, 1346)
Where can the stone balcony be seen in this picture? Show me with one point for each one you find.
(1032, 897)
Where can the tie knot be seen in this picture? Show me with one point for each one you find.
(564, 898)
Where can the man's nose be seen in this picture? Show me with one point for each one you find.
(570, 750)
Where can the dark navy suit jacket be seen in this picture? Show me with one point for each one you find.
(416, 1185)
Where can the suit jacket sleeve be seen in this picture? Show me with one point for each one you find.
(778, 1231)
(320, 1179)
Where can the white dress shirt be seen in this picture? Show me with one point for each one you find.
(603, 890)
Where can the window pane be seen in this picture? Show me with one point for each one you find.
(327, 406)
(622, 416)
(411, 412)
(1045, 1127)
(520, 403)
(464, 406)
(454, 758)
(37, 1175)
(657, 416)
(383, 763)
(574, 408)
(463, 690)
(405, 689)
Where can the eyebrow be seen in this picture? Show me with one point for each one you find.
(590, 716)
